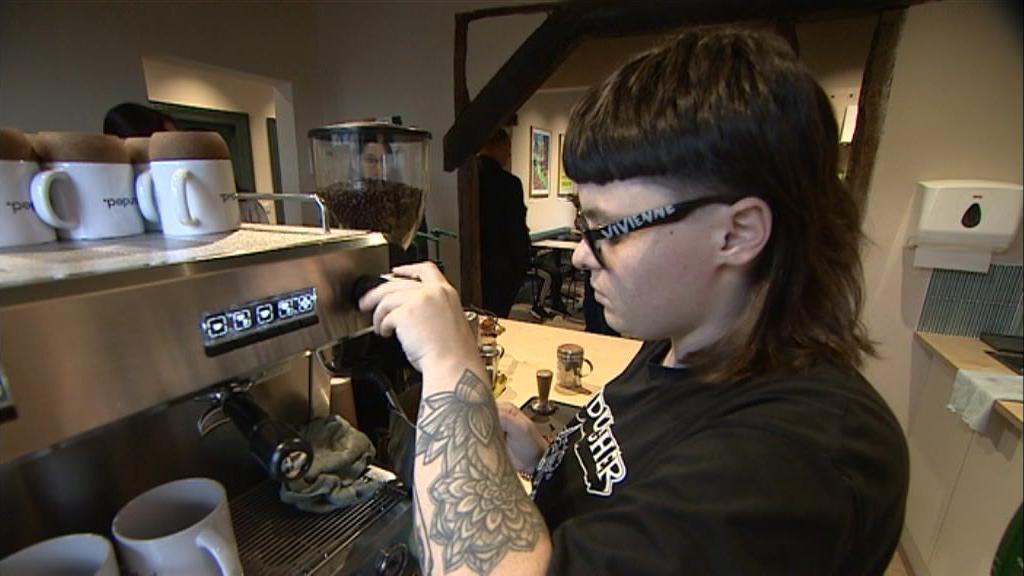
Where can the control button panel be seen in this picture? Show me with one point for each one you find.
(238, 326)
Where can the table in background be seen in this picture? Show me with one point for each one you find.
(568, 245)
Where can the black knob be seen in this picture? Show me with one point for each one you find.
(393, 560)
(364, 284)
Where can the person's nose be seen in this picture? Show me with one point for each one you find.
(583, 257)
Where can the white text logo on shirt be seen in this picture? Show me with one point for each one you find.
(597, 450)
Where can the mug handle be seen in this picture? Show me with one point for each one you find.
(179, 181)
(221, 550)
(144, 194)
(590, 365)
(41, 203)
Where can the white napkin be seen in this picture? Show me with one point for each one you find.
(975, 392)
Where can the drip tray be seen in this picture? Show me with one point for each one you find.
(275, 539)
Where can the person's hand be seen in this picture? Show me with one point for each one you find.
(524, 443)
(423, 310)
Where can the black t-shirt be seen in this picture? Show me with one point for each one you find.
(660, 474)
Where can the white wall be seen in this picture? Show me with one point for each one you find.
(955, 111)
(64, 64)
(549, 110)
(492, 40)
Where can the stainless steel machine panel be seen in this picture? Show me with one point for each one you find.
(93, 332)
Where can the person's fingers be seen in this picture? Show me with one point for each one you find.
(426, 272)
(371, 299)
(506, 413)
(385, 308)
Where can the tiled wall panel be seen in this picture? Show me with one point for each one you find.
(967, 304)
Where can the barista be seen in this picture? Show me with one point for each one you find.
(741, 439)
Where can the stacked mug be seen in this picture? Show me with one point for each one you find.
(85, 189)
(75, 186)
(193, 184)
(20, 222)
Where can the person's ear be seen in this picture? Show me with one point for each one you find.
(748, 227)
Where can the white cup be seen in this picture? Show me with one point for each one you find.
(20, 224)
(71, 555)
(179, 528)
(147, 200)
(87, 200)
(138, 153)
(194, 197)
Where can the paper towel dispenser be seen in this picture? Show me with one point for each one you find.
(960, 223)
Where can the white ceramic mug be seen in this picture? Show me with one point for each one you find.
(147, 200)
(194, 197)
(87, 200)
(179, 528)
(20, 224)
(138, 153)
(71, 555)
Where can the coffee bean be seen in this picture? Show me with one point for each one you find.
(392, 208)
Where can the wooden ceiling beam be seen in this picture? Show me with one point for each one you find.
(521, 75)
(570, 23)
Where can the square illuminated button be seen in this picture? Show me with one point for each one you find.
(264, 314)
(241, 320)
(286, 308)
(305, 303)
(216, 326)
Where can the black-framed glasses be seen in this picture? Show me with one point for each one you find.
(646, 219)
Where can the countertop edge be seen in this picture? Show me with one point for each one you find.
(963, 353)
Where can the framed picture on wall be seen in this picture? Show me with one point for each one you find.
(540, 162)
(565, 185)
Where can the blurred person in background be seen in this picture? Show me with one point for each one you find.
(504, 237)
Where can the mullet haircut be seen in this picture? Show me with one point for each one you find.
(735, 111)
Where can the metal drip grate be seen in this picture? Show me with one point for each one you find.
(276, 539)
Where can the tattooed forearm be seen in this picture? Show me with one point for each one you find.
(422, 545)
(480, 510)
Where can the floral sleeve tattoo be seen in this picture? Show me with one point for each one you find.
(480, 510)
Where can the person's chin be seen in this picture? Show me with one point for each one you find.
(614, 322)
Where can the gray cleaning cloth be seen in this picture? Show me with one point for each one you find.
(337, 478)
(974, 393)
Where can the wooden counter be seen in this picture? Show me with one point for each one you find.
(964, 353)
(531, 347)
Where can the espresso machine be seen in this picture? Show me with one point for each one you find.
(120, 359)
(132, 362)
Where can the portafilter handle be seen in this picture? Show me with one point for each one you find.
(278, 448)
